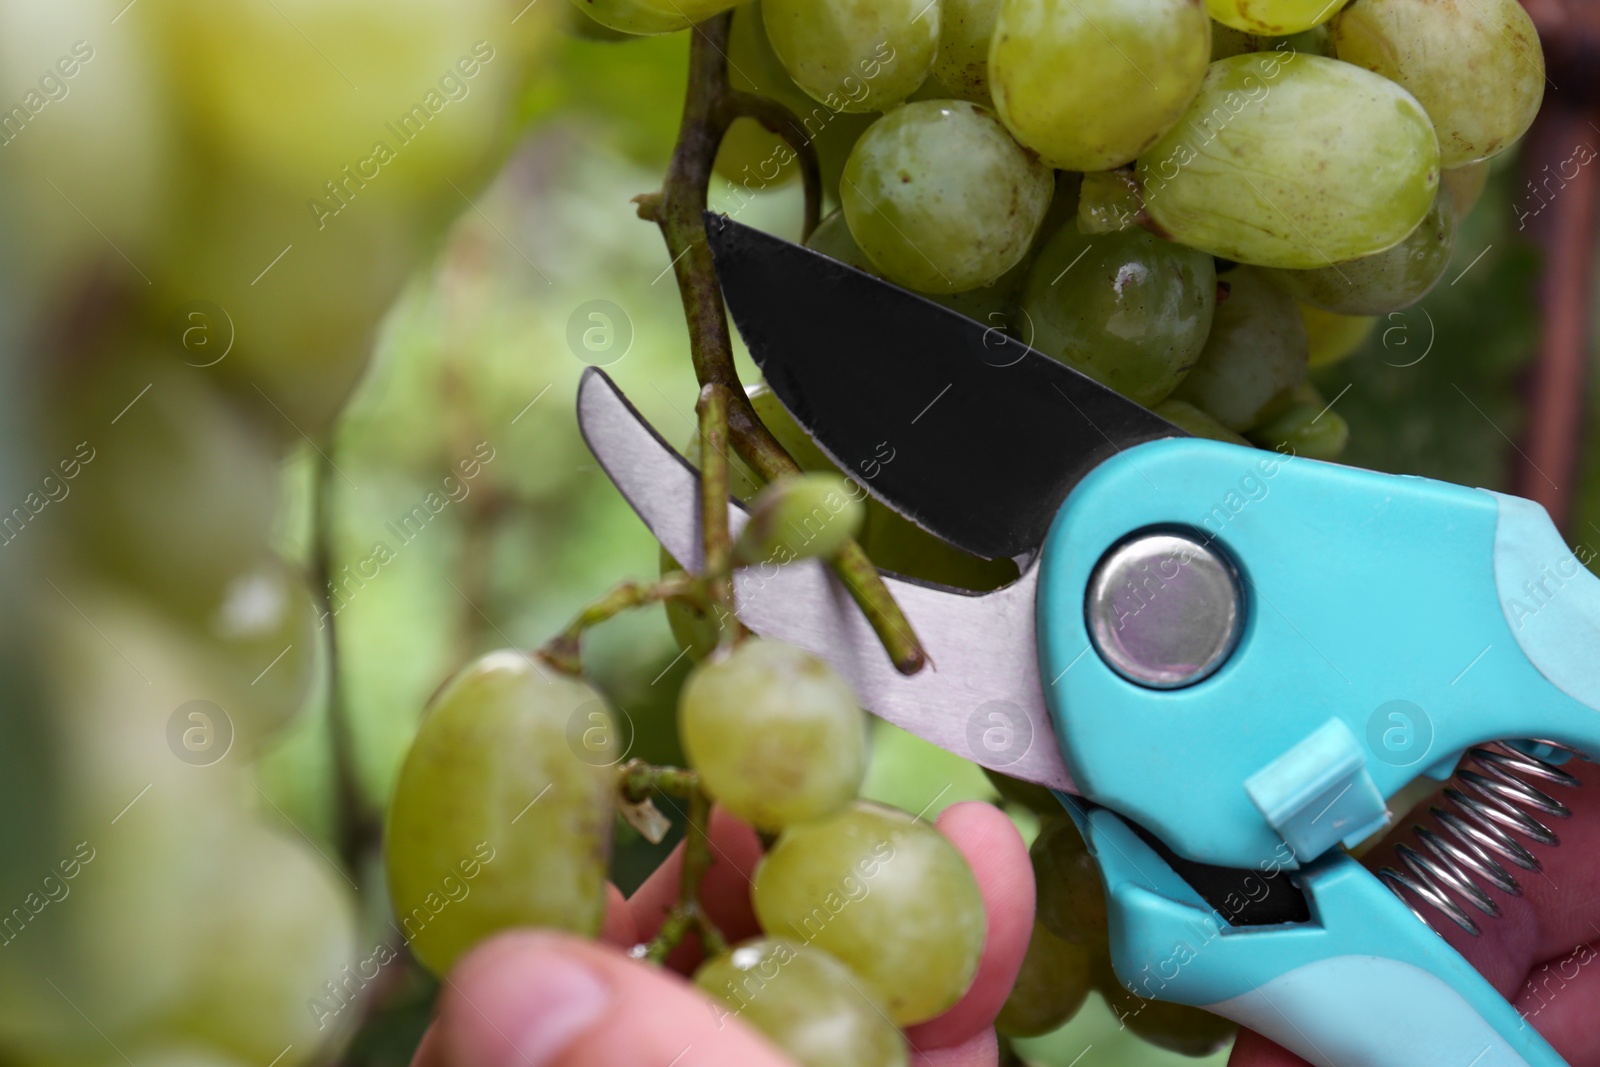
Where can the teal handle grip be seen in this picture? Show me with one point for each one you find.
(1390, 623)
(1363, 984)
(1550, 598)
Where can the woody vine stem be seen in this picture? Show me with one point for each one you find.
(726, 420)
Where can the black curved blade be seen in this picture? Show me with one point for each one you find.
(971, 434)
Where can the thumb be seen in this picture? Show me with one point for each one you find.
(534, 999)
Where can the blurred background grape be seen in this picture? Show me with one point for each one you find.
(276, 263)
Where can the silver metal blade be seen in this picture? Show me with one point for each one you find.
(981, 695)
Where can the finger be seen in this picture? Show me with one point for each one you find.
(1536, 953)
(1560, 1000)
(1250, 1049)
(1559, 906)
(428, 1054)
(532, 999)
(725, 889)
(999, 861)
(982, 1049)
(1528, 953)
(618, 928)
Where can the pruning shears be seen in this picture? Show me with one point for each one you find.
(1224, 661)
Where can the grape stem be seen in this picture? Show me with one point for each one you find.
(358, 831)
(637, 782)
(710, 106)
(358, 828)
(563, 651)
(713, 412)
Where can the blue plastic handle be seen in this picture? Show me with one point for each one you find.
(1390, 623)
(1363, 984)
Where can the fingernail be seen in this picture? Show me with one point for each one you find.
(559, 999)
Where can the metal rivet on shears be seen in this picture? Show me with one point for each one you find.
(1164, 610)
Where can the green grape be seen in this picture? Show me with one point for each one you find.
(743, 483)
(941, 198)
(1089, 84)
(1128, 309)
(801, 448)
(105, 101)
(833, 239)
(695, 629)
(1052, 985)
(1273, 18)
(1384, 281)
(281, 907)
(1304, 426)
(1466, 184)
(1331, 338)
(1257, 350)
(1186, 416)
(260, 644)
(805, 1001)
(1317, 41)
(966, 30)
(835, 137)
(851, 55)
(1071, 899)
(1030, 795)
(750, 153)
(1293, 161)
(578, 24)
(897, 544)
(993, 305)
(1174, 1027)
(753, 67)
(651, 16)
(885, 893)
(180, 505)
(1475, 65)
(1108, 201)
(244, 79)
(1227, 42)
(502, 813)
(803, 516)
(776, 735)
(753, 156)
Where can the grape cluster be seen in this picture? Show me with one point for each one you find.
(164, 369)
(503, 814)
(1235, 197)
(1068, 954)
(1193, 205)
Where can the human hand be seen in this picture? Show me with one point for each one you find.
(1540, 953)
(537, 999)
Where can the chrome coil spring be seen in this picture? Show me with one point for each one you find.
(1494, 796)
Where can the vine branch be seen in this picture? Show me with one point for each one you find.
(718, 552)
(710, 106)
(563, 650)
(357, 829)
